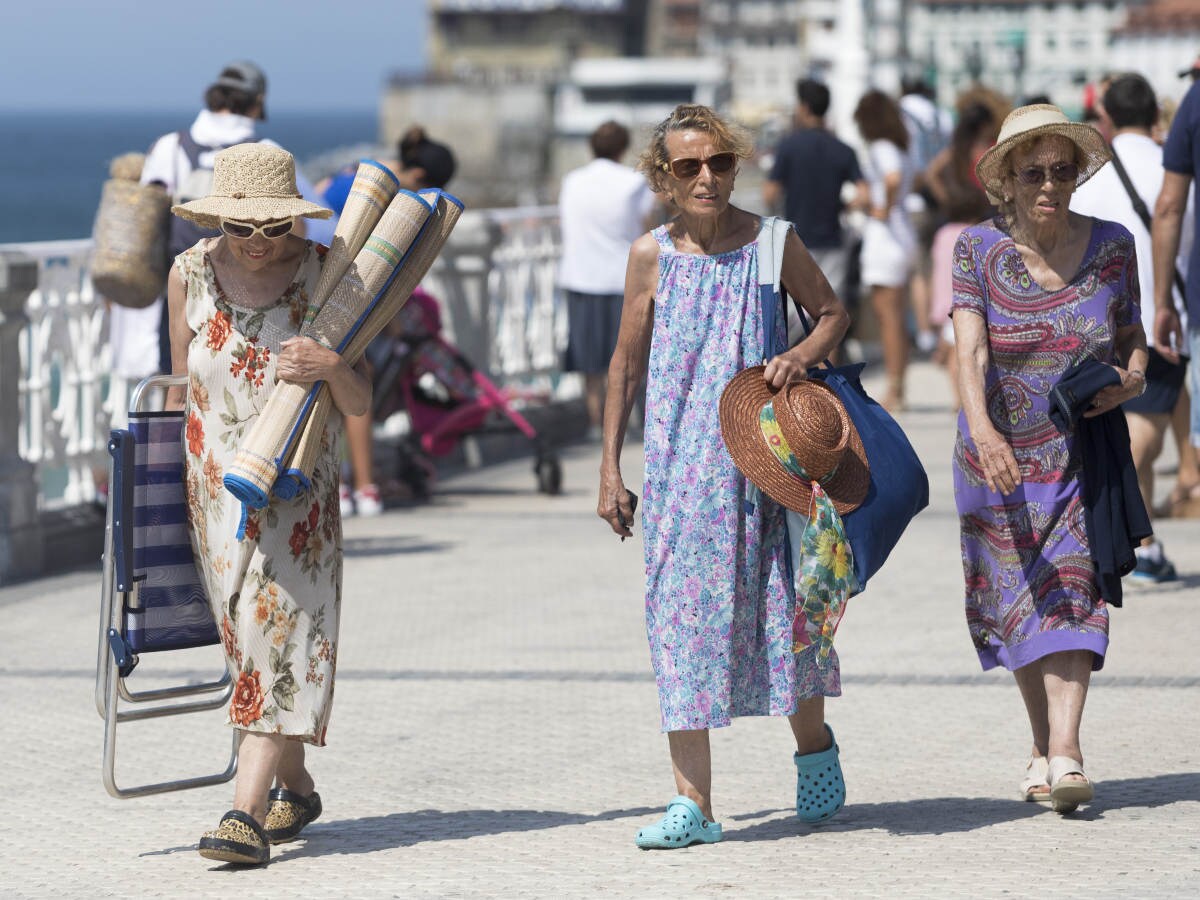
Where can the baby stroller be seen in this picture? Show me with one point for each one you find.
(445, 396)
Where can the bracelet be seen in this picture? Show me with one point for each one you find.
(1143, 375)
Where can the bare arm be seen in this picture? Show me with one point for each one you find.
(180, 332)
(625, 374)
(303, 361)
(891, 186)
(1164, 235)
(934, 174)
(812, 294)
(995, 456)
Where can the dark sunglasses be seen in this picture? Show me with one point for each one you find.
(1036, 175)
(270, 230)
(690, 166)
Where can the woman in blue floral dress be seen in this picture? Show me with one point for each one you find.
(719, 604)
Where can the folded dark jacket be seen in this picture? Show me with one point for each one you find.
(1114, 515)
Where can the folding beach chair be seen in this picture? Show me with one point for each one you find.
(148, 564)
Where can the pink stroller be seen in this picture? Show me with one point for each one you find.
(445, 396)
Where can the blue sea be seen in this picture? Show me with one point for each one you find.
(52, 165)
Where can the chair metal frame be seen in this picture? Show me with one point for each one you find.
(115, 660)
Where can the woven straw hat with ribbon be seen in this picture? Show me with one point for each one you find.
(251, 183)
(784, 441)
(1029, 123)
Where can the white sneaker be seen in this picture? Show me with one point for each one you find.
(345, 503)
(368, 501)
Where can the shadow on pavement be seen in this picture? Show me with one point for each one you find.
(946, 815)
(375, 833)
(392, 545)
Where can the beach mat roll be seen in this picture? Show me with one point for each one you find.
(447, 210)
(259, 461)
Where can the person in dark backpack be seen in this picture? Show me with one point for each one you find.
(181, 162)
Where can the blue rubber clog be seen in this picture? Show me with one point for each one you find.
(820, 788)
(682, 826)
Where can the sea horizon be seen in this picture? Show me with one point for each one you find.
(53, 163)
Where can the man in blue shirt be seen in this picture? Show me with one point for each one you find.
(811, 166)
(1181, 160)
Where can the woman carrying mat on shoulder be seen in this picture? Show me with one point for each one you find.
(237, 303)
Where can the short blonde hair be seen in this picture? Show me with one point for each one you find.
(728, 136)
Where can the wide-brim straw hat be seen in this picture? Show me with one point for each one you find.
(1032, 122)
(815, 429)
(251, 183)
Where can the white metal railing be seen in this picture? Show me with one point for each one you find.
(70, 397)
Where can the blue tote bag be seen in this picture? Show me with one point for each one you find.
(899, 486)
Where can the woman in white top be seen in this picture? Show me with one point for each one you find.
(889, 240)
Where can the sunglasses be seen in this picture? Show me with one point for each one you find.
(270, 230)
(1036, 175)
(690, 166)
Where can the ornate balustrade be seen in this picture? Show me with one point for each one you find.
(495, 280)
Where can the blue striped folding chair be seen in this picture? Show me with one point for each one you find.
(148, 565)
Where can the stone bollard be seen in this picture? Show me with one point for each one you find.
(20, 528)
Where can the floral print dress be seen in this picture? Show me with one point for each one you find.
(720, 606)
(1031, 586)
(277, 593)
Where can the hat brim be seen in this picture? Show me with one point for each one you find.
(208, 211)
(741, 403)
(990, 168)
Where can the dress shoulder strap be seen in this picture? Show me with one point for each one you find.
(663, 238)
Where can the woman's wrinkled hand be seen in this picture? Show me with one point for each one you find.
(614, 506)
(998, 462)
(784, 369)
(303, 361)
(1115, 394)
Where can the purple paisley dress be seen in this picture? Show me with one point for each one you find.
(719, 603)
(1031, 587)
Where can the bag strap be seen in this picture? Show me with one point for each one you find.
(1139, 207)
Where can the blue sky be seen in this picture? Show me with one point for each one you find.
(161, 54)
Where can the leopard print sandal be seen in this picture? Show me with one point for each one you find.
(237, 839)
(288, 813)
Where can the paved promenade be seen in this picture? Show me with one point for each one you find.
(495, 732)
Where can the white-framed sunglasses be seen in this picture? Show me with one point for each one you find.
(272, 230)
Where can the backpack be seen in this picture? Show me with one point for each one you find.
(129, 262)
(195, 184)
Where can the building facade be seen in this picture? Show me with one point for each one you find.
(1020, 47)
(1160, 40)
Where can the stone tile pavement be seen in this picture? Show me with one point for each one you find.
(496, 731)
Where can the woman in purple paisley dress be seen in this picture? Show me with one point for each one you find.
(1037, 290)
(719, 605)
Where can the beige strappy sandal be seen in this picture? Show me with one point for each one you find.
(1066, 794)
(1035, 788)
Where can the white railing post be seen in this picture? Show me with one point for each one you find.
(20, 532)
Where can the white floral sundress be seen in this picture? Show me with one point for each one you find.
(276, 594)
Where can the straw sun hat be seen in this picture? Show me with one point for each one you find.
(814, 436)
(1032, 122)
(254, 183)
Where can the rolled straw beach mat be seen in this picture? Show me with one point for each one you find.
(257, 463)
(129, 259)
(371, 192)
(447, 210)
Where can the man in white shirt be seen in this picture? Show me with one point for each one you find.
(1130, 104)
(603, 208)
(182, 163)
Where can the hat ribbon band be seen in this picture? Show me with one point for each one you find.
(773, 435)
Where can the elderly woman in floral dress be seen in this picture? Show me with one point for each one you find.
(719, 603)
(273, 575)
